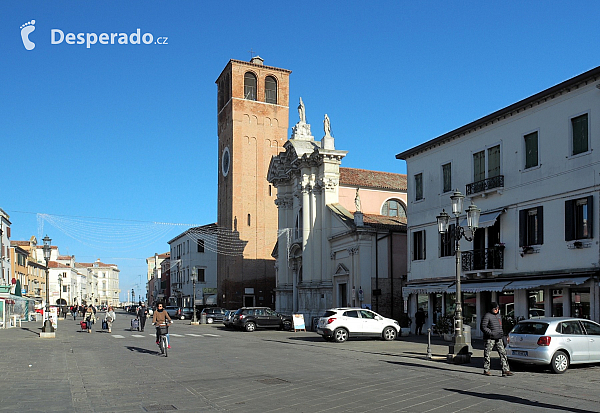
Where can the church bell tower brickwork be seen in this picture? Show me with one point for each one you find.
(253, 115)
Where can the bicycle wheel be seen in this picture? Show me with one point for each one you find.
(165, 345)
(161, 345)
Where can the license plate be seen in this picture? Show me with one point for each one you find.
(519, 353)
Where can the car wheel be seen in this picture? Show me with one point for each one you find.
(560, 362)
(389, 333)
(287, 326)
(250, 326)
(209, 321)
(340, 335)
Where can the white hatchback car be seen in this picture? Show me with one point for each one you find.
(338, 324)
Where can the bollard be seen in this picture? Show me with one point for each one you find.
(429, 356)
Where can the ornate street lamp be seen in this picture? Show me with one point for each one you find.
(194, 277)
(47, 250)
(459, 349)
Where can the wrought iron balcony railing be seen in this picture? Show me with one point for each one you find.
(483, 259)
(486, 184)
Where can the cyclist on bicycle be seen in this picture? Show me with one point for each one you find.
(160, 318)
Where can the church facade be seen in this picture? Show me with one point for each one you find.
(342, 231)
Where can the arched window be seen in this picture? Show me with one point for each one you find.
(249, 86)
(270, 90)
(394, 208)
(298, 226)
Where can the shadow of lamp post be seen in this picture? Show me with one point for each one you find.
(459, 351)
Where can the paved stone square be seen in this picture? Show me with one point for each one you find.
(210, 368)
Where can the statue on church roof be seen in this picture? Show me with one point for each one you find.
(327, 125)
(302, 111)
(357, 201)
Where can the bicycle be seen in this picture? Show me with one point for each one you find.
(163, 344)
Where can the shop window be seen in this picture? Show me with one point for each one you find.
(580, 303)
(557, 303)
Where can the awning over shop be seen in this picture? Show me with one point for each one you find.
(481, 286)
(424, 289)
(485, 220)
(528, 284)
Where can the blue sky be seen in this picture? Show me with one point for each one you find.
(128, 132)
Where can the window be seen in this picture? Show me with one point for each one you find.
(418, 245)
(531, 150)
(249, 220)
(531, 226)
(270, 90)
(579, 131)
(493, 164)
(418, 187)
(494, 161)
(447, 246)
(201, 275)
(447, 177)
(578, 218)
(393, 208)
(249, 86)
(200, 245)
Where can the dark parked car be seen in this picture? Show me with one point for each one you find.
(213, 314)
(251, 318)
(184, 313)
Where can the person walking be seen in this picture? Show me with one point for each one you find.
(74, 311)
(142, 313)
(491, 327)
(90, 318)
(109, 317)
(420, 321)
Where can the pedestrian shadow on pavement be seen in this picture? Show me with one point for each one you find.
(142, 350)
(37, 333)
(435, 365)
(518, 400)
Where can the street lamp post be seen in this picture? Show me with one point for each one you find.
(459, 349)
(194, 276)
(60, 281)
(47, 250)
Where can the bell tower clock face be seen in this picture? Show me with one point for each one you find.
(225, 161)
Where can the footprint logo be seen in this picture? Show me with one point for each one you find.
(26, 29)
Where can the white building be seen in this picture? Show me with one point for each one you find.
(328, 256)
(531, 169)
(5, 270)
(193, 252)
(102, 282)
(154, 286)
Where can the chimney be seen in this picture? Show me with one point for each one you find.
(257, 60)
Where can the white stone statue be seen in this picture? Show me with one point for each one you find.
(357, 201)
(302, 112)
(327, 125)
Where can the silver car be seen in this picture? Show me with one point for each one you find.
(555, 341)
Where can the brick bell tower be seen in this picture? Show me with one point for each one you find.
(253, 115)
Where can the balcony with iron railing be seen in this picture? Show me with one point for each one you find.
(483, 259)
(485, 185)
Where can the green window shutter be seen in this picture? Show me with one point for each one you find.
(580, 134)
(531, 150)
(478, 166)
(522, 227)
(418, 187)
(569, 221)
(540, 228)
(494, 161)
(447, 172)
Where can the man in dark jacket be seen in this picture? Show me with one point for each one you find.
(142, 313)
(491, 326)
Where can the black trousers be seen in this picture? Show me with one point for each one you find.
(142, 322)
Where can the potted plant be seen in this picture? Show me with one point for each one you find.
(445, 326)
(405, 322)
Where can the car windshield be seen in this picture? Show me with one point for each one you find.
(530, 328)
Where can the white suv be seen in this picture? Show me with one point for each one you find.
(337, 324)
